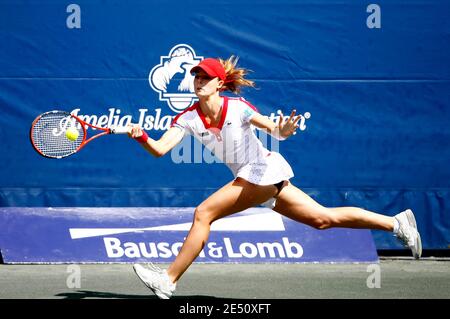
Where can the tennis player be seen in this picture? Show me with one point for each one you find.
(261, 177)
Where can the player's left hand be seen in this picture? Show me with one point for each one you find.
(288, 127)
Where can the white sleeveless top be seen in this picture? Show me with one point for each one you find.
(234, 142)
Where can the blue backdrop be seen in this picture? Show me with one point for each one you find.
(372, 83)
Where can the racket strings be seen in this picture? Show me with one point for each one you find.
(49, 134)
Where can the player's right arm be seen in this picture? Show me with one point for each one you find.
(160, 147)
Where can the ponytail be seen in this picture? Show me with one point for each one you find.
(234, 76)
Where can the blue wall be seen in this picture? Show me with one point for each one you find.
(378, 135)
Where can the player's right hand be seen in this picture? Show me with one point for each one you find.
(135, 131)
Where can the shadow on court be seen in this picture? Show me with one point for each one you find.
(83, 294)
(86, 294)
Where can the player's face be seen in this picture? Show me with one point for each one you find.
(204, 85)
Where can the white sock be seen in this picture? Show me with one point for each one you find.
(396, 226)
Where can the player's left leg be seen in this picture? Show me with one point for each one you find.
(295, 204)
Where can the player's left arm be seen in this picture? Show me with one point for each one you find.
(282, 130)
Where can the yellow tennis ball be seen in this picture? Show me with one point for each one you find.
(72, 133)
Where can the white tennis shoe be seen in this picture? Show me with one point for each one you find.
(407, 232)
(156, 279)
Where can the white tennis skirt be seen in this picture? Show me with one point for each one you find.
(271, 170)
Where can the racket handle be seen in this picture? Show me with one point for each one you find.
(119, 130)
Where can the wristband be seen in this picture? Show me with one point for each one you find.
(143, 138)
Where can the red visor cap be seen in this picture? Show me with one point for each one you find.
(212, 67)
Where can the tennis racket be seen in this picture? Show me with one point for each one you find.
(48, 134)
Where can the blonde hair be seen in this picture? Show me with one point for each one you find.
(234, 75)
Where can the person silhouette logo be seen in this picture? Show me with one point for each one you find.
(172, 78)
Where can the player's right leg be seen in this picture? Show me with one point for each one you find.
(234, 197)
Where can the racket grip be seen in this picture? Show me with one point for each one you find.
(119, 130)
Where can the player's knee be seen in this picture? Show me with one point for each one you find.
(322, 222)
(202, 215)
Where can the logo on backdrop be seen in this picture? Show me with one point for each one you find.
(257, 234)
(173, 81)
(172, 78)
(227, 248)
